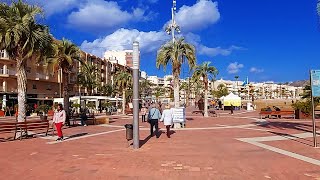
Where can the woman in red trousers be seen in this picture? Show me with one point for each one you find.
(59, 118)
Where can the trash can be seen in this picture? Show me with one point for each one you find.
(129, 131)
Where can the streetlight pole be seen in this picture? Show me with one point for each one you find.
(135, 69)
(173, 26)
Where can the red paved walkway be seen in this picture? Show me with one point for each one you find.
(213, 152)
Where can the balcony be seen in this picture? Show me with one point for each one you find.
(4, 55)
(4, 73)
(41, 76)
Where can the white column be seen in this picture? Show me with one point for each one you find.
(5, 69)
(4, 86)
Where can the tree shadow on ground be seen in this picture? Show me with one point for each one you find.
(189, 119)
(297, 139)
(286, 125)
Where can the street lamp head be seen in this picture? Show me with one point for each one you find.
(168, 29)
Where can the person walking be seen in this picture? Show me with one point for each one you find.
(59, 119)
(167, 118)
(231, 108)
(143, 113)
(153, 117)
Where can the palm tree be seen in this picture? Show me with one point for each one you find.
(106, 89)
(24, 39)
(145, 88)
(65, 54)
(158, 91)
(205, 70)
(221, 91)
(185, 87)
(123, 81)
(87, 77)
(176, 53)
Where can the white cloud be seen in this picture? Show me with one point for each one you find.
(234, 68)
(256, 70)
(204, 50)
(122, 39)
(100, 15)
(197, 17)
(56, 6)
(209, 51)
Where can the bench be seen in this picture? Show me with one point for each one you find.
(91, 117)
(277, 113)
(7, 127)
(33, 125)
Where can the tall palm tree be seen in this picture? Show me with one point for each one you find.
(23, 38)
(176, 53)
(123, 81)
(65, 54)
(87, 77)
(205, 70)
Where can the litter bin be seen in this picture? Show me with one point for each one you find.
(129, 131)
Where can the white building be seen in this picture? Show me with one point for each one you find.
(123, 58)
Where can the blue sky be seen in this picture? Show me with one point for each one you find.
(264, 40)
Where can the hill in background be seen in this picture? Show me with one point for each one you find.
(300, 83)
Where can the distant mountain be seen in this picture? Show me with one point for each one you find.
(300, 83)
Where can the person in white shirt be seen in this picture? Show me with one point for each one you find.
(59, 119)
(167, 118)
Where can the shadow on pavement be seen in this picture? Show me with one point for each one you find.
(77, 135)
(143, 142)
(298, 139)
(286, 125)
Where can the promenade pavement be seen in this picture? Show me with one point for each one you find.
(239, 146)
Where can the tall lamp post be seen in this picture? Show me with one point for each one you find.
(173, 26)
(135, 69)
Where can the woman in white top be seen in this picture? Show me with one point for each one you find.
(59, 118)
(167, 118)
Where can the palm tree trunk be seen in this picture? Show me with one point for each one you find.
(22, 90)
(117, 102)
(206, 102)
(123, 101)
(176, 90)
(65, 94)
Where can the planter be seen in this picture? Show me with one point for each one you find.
(43, 118)
(302, 115)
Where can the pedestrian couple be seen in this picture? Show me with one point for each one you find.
(154, 116)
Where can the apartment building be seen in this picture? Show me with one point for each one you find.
(43, 84)
(123, 58)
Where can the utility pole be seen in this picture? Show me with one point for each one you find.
(135, 100)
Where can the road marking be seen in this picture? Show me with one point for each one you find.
(256, 141)
(283, 152)
(85, 136)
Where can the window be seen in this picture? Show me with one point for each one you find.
(49, 87)
(34, 86)
(28, 69)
